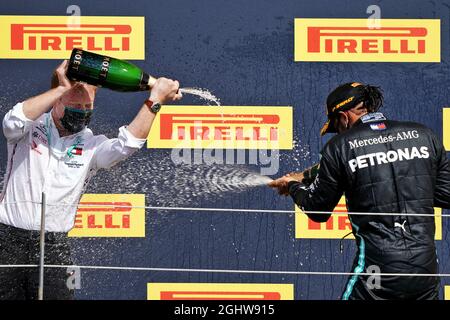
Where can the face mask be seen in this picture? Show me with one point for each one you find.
(75, 120)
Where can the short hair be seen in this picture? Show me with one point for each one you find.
(373, 98)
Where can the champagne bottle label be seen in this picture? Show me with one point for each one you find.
(104, 70)
(75, 60)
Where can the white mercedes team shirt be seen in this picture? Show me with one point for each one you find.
(39, 160)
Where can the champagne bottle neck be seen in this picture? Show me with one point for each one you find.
(147, 81)
(151, 81)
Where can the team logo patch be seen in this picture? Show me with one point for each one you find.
(378, 126)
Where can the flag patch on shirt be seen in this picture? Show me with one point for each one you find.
(34, 147)
(378, 126)
(77, 151)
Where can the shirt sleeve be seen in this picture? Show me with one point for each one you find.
(442, 191)
(323, 194)
(16, 124)
(109, 152)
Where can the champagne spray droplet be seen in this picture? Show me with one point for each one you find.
(204, 94)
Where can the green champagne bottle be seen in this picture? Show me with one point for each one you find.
(107, 72)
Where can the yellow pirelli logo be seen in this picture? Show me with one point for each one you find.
(335, 228)
(225, 127)
(446, 128)
(54, 37)
(438, 223)
(110, 215)
(353, 40)
(219, 291)
(447, 293)
(339, 225)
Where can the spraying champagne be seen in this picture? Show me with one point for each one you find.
(118, 75)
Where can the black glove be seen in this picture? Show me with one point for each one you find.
(310, 175)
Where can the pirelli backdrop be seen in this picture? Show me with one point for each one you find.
(272, 65)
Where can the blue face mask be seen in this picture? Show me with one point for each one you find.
(75, 120)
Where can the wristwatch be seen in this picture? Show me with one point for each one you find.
(153, 107)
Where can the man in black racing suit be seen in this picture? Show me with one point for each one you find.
(381, 166)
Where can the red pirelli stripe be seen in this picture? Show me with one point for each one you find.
(226, 118)
(219, 295)
(105, 207)
(341, 208)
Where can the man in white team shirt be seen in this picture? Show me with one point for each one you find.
(51, 150)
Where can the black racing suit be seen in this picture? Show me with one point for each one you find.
(384, 166)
